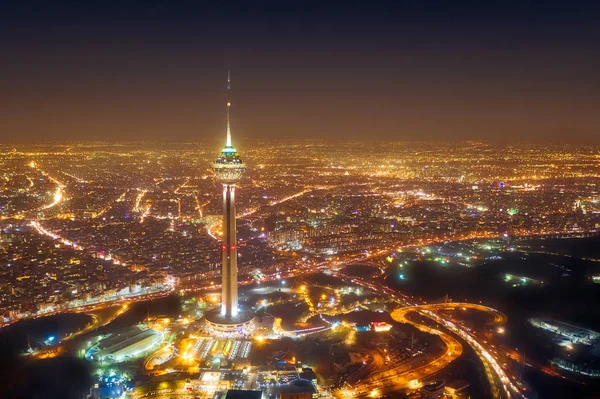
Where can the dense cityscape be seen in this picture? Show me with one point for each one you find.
(329, 235)
(89, 223)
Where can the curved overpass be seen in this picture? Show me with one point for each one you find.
(497, 316)
(501, 384)
(407, 375)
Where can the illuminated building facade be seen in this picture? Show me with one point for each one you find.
(380, 326)
(125, 345)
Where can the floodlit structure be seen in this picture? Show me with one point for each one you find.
(228, 168)
(125, 345)
(572, 334)
(380, 326)
(435, 390)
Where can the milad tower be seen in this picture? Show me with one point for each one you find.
(228, 168)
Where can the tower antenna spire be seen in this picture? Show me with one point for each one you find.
(228, 143)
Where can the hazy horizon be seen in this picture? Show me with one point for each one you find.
(426, 70)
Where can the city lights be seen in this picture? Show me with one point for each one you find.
(347, 268)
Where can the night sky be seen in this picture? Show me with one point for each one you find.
(506, 71)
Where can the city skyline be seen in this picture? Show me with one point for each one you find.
(404, 203)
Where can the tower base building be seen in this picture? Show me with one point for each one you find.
(221, 325)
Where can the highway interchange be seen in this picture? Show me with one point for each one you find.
(401, 377)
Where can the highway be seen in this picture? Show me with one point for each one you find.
(502, 386)
(408, 374)
(499, 381)
(98, 322)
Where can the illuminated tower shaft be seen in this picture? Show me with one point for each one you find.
(228, 168)
(229, 298)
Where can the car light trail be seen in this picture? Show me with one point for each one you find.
(58, 196)
(488, 360)
(69, 243)
(138, 199)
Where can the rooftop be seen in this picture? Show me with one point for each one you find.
(297, 386)
(243, 394)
